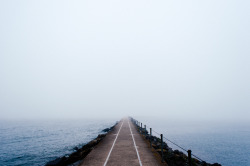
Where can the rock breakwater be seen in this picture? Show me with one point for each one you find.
(171, 157)
(76, 157)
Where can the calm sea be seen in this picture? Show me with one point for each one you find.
(221, 142)
(37, 142)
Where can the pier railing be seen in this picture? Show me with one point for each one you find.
(163, 142)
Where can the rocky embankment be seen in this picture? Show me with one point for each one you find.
(80, 153)
(172, 157)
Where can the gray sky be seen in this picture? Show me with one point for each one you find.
(110, 58)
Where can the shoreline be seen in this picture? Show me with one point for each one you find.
(171, 157)
(75, 158)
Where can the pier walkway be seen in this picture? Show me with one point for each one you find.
(123, 146)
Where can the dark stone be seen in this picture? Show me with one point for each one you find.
(174, 157)
(109, 129)
(75, 148)
(79, 153)
(203, 163)
(57, 162)
(106, 130)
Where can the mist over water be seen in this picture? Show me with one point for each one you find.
(66, 60)
(38, 142)
(29, 142)
(226, 143)
(181, 61)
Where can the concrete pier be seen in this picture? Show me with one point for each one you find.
(123, 146)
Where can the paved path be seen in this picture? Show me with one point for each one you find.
(122, 147)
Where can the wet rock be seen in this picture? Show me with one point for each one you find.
(57, 162)
(106, 130)
(79, 153)
(174, 157)
(203, 163)
(75, 148)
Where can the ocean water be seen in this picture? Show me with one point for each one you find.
(222, 142)
(37, 142)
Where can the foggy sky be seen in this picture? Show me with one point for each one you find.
(113, 58)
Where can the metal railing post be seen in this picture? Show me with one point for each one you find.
(189, 158)
(162, 159)
(150, 137)
(141, 128)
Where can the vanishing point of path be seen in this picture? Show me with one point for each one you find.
(123, 146)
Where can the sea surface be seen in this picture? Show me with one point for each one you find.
(26, 143)
(37, 142)
(227, 143)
